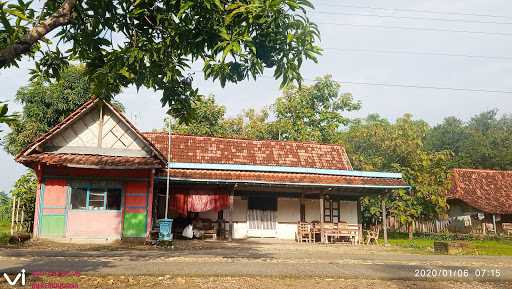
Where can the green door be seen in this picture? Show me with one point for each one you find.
(134, 225)
(53, 225)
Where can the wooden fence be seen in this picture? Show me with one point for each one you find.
(423, 226)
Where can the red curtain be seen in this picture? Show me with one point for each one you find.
(199, 201)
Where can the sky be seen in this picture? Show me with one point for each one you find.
(402, 44)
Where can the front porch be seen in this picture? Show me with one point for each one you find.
(270, 210)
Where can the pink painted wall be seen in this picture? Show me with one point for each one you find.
(91, 224)
(53, 211)
(55, 193)
(104, 224)
(135, 196)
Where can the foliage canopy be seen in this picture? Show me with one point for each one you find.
(376, 144)
(154, 43)
(45, 104)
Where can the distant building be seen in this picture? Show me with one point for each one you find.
(480, 200)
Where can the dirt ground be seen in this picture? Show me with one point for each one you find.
(166, 281)
(254, 263)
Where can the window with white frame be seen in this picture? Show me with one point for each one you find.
(95, 195)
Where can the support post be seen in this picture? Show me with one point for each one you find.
(322, 217)
(384, 220)
(301, 211)
(231, 226)
(150, 205)
(494, 224)
(168, 170)
(359, 222)
(13, 214)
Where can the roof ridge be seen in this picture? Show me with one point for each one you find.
(246, 139)
(482, 170)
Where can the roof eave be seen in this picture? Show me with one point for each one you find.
(223, 181)
(283, 169)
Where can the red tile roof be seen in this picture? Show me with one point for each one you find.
(213, 150)
(92, 161)
(280, 177)
(487, 190)
(198, 149)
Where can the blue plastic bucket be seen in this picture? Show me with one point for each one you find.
(165, 233)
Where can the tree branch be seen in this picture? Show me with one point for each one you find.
(61, 17)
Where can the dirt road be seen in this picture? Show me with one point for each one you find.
(265, 261)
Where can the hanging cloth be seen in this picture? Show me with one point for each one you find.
(200, 201)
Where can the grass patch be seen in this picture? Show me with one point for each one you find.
(472, 246)
(492, 247)
(5, 229)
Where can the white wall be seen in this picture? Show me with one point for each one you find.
(239, 217)
(288, 210)
(349, 211)
(240, 230)
(239, 210)
(312, 210)
(286, 231)
(288, 214)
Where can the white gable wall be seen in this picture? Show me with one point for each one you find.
(99, 131)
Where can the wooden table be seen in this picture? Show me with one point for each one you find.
(333, 231)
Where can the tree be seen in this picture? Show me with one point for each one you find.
(5, 208)
(209, 119)
(307, 113)
(206, 119)
(5, 117)
(451, 135)
(153, 43)
(24, 191)
(252, 124)
(45, 104)
(483, 142)
(313, 113)
(375, 144)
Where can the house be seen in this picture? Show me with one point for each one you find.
(100, 178)
(481, 200)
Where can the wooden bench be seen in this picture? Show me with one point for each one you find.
(507, 228)
(340, 230)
